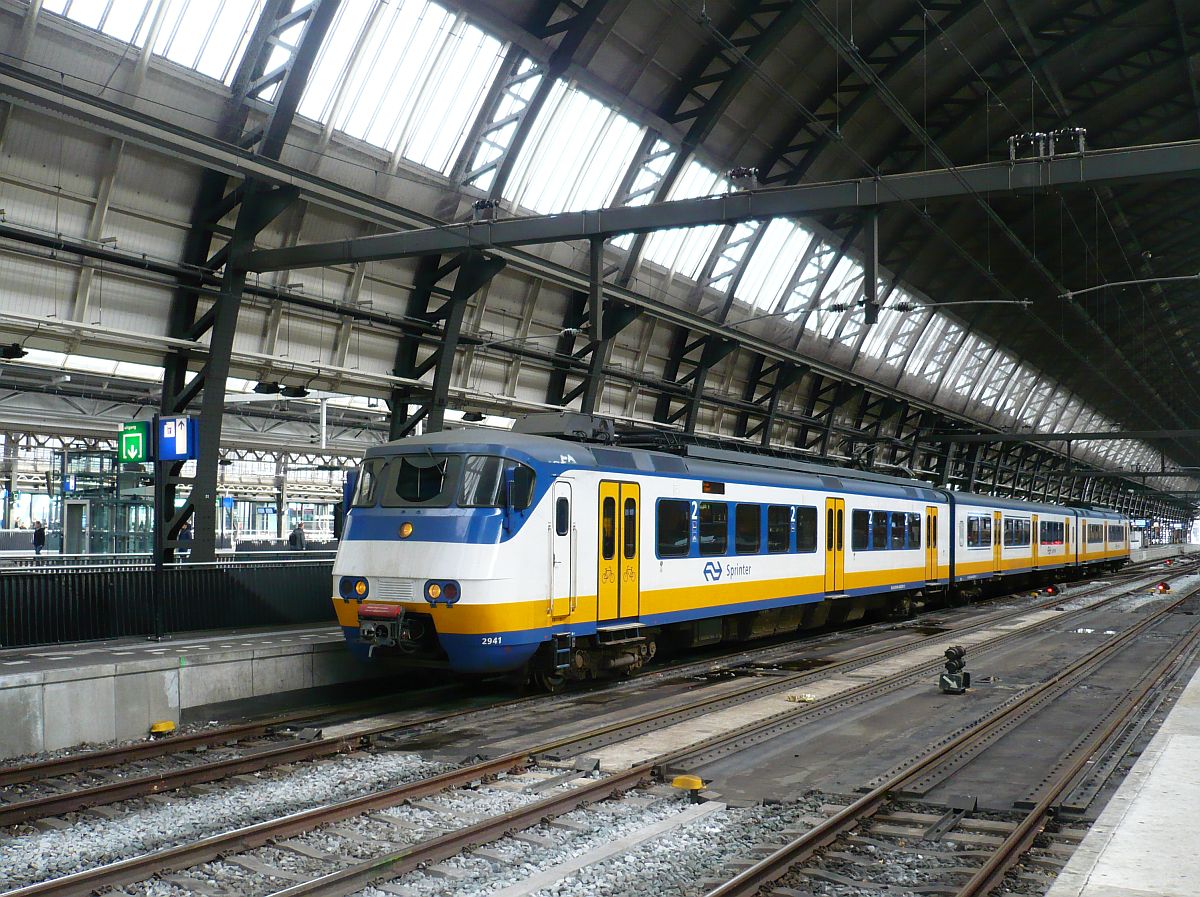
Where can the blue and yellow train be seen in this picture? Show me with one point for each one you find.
(491, 551)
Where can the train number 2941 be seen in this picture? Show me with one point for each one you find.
(492, 639)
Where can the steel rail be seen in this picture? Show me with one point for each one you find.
(751, 880)
(137, 868)
(1022, 837)
(354, 878)
(360, 875)
(69, 801)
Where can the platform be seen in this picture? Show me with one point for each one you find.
(62, 695)
(1161, 552)
(1146, 843)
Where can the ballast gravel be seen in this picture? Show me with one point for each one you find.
(356, 839)
(88, 842)
(675, 863)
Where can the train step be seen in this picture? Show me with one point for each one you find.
(563, 643)
(624, 632)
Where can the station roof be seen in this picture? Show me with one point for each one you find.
(553, 106)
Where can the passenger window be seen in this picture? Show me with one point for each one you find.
(912, 534)
(714, 527)
(608, 529)
(748, 529)
(829, 529)
(779, 529)
(674, 529)
(562, 516)
(841, 529)
(806, 529)
(629, 529)
(899, 530)
(879, 530)
(860, 530)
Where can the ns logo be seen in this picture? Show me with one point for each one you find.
(712, 571)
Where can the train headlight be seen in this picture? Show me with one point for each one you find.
(405, 530)
(446, 592)
(353, 587)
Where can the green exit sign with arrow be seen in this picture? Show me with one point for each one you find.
(133, 447)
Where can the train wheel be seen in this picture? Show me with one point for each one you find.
(548, 682)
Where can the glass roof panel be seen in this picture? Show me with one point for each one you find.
(770, 268)
(409, 78)
(448, 102)
(124, 20)
(969, 363)
(890, 326)
(334, 61)
(88, 13)
(811, 278)
(731, 257)
(207, 35)
(575, 156)
(685, 249)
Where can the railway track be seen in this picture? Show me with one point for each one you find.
(125, 785)
(430, 849)
(788, 862)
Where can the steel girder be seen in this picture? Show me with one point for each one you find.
(900, 42)
(106, 117)
(257, 204)
(472, 272)
(561, 20)
(1177, 160)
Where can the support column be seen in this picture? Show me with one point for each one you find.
(871, 267)
(591, 391)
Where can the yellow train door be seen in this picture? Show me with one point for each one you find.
(835, 545)
(997, 541)
(630, 586)
(608, 580)
(1034, 539)
(618, 581)
(931, 552)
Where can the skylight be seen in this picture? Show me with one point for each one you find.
(408, 77)
(575, 155)
(208, 36)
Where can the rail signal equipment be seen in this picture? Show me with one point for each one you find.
(956, 679)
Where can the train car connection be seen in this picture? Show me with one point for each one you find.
(510, 551)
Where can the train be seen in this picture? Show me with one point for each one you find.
(553, 551)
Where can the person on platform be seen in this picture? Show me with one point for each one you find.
(39, 537)
(185, 535)
(297, 539)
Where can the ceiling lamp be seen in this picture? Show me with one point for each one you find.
(266, 388)
(473, 417)
(13, 350)
(293, 392)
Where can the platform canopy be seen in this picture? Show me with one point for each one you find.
(837, 227)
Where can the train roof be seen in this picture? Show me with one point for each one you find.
(707, 463)
(971, 499)
(704, 463)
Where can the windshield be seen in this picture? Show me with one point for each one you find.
(367, 491)
(421, 479)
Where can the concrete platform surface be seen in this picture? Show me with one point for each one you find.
(63, 695)
(1159, 552)
(1146, 843)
